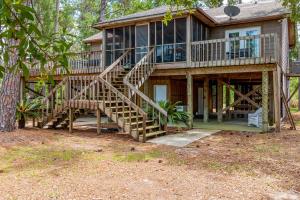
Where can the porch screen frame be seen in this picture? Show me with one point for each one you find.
(113, 50)
(148, 42)
(160, 48)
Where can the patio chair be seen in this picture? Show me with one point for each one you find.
(255, 119)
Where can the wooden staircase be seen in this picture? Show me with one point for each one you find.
(112, 94)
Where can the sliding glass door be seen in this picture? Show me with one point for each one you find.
(248, 47)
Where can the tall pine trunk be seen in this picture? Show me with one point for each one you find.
(10, 92)
(102, 10)
(9, 97)
(56, 23)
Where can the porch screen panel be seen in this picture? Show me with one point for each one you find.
(141, 42)
(132, 42)
(119, 42)
(152, 34)
(180, 46)
(168, 41)
(109, 54)
(158, 48)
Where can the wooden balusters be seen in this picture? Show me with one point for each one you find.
(257, 49)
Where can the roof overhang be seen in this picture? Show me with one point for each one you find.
(251, 20)
(199, 13)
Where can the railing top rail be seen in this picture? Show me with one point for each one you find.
(108, 69)
(139, 93)
(45, 99)
(236, 38)
(103, 81)
(128, 75)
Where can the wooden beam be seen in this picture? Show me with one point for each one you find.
(227, 102)
(188, 39)
(293, 93)
(220, 100)
(172, 69)
(205, 106)
(70, 120)
(242, 98)
(35, 92)
(299, 94)
(98, 113)
(190, 99)
(276, 91)
(241, 95)
(265, 101)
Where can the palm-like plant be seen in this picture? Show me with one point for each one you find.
(28, 108)
(174, 116)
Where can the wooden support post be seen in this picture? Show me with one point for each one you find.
(98, 121)
(188, 43)
(205, 105)
(70, 120)
(276, 91)
(227, 102)
(299, 94)
(220, 100)
(265, 101)
(190, 100)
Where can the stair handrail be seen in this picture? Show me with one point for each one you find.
(51, 101)
(147, 66)
(115, 65)
(105, 73)
(104, 79)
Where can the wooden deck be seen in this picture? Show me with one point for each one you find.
(239, 51)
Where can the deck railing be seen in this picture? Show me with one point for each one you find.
(258, 49)
(79, 63)
(135, 79)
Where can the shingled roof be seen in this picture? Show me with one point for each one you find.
(249, 11)
(253, 11)
(94, 38)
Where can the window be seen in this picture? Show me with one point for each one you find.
(160, 93)
(246, 48)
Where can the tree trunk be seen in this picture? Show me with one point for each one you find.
(9, 96)
(56, 23)
(22, 122)
(102, 10)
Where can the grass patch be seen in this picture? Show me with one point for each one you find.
(274, 148)
(32, 158)
(171, 157)
(228, 167)
(137, 156)
(214, 165)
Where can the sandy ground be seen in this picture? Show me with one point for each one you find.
(52, 164)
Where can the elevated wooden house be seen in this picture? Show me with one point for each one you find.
(220, 68)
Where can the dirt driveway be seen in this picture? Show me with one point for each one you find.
(53, 164)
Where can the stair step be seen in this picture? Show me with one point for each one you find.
(147, 128)
(139, 122)
(152, 134)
